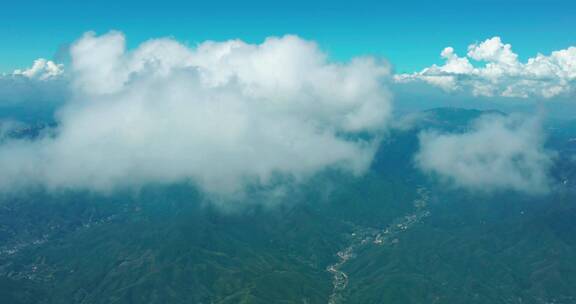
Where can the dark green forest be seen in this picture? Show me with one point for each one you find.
(393, 235)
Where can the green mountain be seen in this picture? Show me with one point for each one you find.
(390, 236)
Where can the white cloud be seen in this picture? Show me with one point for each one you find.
(32, 92)
(42, 69)
(500, 73)
(499, 152)
(222, 114)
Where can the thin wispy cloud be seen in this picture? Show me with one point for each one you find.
(498, 153)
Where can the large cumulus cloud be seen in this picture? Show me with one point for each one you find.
(222, 114)
(491, 68)
(498, 153)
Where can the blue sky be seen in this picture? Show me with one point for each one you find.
(276, 108)
(408, 33)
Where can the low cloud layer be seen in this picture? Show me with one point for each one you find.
(498, 153)
(491, 68)
(41, 69)
(38, 82)
(32, 94)
(222, 115)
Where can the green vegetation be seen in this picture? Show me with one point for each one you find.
(169, 244)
